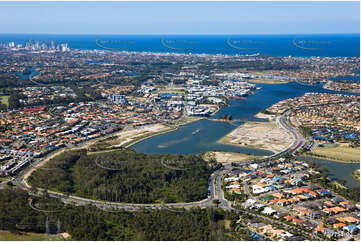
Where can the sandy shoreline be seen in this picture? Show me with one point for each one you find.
(129, 135)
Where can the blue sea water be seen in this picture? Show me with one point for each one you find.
(323, 45)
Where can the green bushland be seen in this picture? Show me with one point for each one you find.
(356, 174)
(91, 223)
(5, 100)
(132, 177)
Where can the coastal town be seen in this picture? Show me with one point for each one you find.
(103, 101)
(33, 132)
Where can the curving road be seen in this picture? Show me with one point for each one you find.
(214, 183)
(298, 138)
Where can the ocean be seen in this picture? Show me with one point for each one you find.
(322, 45)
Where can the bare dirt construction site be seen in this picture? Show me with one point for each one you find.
(263, 135)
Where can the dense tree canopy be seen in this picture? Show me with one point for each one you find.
(126, 176)
(90, 223)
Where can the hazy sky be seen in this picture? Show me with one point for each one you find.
(179, 17)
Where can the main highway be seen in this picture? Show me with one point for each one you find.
(214, 183)
(298, 141)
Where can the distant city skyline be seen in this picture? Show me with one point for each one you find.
(179, 18)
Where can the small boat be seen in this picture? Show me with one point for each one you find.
(196, 131)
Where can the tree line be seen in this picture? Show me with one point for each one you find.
(91, 223)
(127, 176)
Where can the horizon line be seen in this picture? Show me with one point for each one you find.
(155, 34)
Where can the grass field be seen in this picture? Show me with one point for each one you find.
(8, 236)
(340, 153)
(227, 157)
(5, 100)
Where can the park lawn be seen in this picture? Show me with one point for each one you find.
(27, 236)
(5, 100)
(340, 152)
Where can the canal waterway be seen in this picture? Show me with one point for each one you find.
(32, 73)
(338, 170)
(202, 136)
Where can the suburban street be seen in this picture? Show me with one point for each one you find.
(214, 183)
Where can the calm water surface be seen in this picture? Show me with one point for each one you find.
(276, 45)
(202, 136)
(337, 170)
